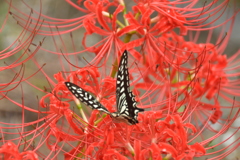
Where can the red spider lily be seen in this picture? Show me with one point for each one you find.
(158, 135)
(117, 136)
(99, 21)
(178, 80)
(10, 151)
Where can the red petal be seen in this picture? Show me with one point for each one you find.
(197, 150)
(113, 154)
(100, 17)
(168, 148)
(114, 19)
(137, 149)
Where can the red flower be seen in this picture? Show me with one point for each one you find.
(10, 151)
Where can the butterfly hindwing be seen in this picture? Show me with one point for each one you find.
(126, 104)
(85, 97)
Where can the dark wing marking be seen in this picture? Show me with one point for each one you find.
(126, 104)
(85, 97)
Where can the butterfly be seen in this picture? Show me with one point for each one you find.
(127, 110)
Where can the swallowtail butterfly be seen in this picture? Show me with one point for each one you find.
(127, 109)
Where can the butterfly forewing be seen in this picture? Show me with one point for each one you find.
(126, 104)
(85, 97)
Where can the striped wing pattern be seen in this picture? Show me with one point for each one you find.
(126, 104)
(85, 97)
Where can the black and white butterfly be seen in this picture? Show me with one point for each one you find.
(127, 109)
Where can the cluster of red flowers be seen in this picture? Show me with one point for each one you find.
(188, 88)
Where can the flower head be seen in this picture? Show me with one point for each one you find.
(10, 151)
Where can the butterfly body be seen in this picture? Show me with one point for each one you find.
(123, 118)
(127, 110)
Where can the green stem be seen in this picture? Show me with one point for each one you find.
(99, 120)
(128, 37)
(79, 106)
(106, 14)
(115, 64)
(124, 13)
(114, 68)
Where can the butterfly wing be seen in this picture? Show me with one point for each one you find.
(85, 97)
(126, 104)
